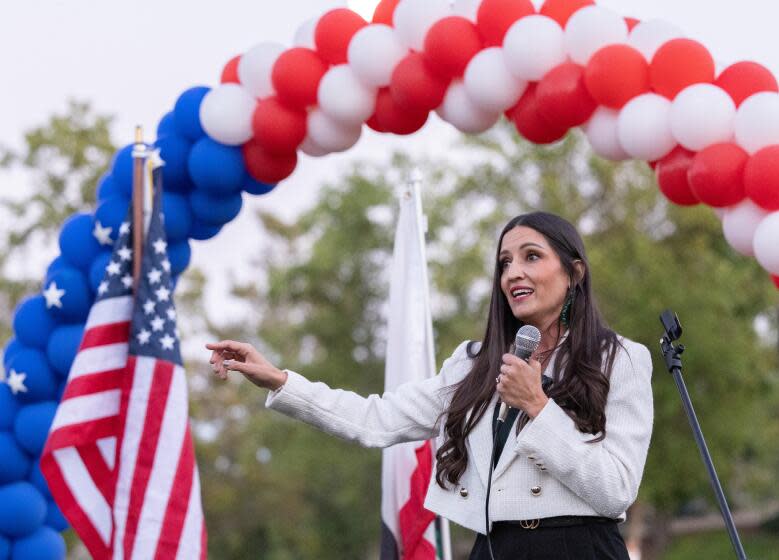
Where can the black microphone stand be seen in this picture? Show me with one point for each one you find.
(673, 361)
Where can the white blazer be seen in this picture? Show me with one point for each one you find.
(545, 471)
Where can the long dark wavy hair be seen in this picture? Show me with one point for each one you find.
(581, 377)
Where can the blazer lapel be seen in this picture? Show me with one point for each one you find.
(480, 442)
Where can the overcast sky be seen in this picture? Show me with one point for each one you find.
(133, 58)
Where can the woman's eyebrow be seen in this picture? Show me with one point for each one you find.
(528, 244)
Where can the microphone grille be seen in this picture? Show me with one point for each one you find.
(528, 338)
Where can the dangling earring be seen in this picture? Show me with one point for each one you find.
(565, 314)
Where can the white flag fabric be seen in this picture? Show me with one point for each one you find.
(408, 530)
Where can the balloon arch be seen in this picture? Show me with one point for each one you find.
(640, 90)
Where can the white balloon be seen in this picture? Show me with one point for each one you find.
(468, 9)
(644, 127)
(766, 243)
(458, 110)
(702, 115)
(602, 133)
(739, 224)
(757, 122)
(373, 53)
(226, 114)
(648, 36)
(592, 28)
(533, 46)
(255, 67)
(311, 148)
(489, 83)
(343, 97)
(304, 35)
(329, 134)
(413, 18)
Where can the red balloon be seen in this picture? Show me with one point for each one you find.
(495, 17)
(761, 178)
(563, 98)
(562, 10)
(334, 31)
(296, 75)
(530, 123)
(671, 173)
(384, 12)
(744, 79)
(277, 128)
(776, 281)
(415, 86)
(680, 63)
(230, 71)
(265, 167)
(391, 117)
(616, 74)
(632, 22)
(373, 123)
(716, 175)
(450, 44)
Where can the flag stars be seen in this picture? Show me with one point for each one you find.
(113, 268)
(171, 314)
(16, 382)
(167, 342)
(154, 275)
(127, 281)
(102, 288)
(53, 296)
(102, 233)
(143, 337)
(157, 323)
(125, 253)
(160, 246)
(163, 294)
(166, 265)
(148, 307)
(124, 229)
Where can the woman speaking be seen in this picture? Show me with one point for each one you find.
(565, 465)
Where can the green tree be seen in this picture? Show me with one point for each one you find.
(320, 312)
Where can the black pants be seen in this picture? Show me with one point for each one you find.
(592, 541)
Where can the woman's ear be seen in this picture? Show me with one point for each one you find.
(578, 271)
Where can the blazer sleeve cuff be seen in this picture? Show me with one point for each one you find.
(286, 399)
(547, 437)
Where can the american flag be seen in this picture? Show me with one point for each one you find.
(120, 459)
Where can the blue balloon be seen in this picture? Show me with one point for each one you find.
(61, 389)
(179, 255)
(186, 114)
(40, 383)
(43, 544)
(167, 125)
(11, 348)
(111, 213)
(77, 244)
(5, 548)
(54, 517)
(14, 462)
(35, 477)
(107, 188)
(215, 168)
(76, 299)
(122, 171)
(201, 231)
(177, 215)
(63, 346)
(9, 406)
(57, 264)
(215, 210)
(97, 270)
(32, 424)
(32, 322)
(174, 150)
(253, 186)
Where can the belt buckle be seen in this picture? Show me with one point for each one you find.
(529, 523)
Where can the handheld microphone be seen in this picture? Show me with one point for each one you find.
(526, 342)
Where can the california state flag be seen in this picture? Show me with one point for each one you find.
(408, 529)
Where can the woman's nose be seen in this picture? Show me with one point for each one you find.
(516, 270)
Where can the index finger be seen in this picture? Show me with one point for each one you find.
(237, 347)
